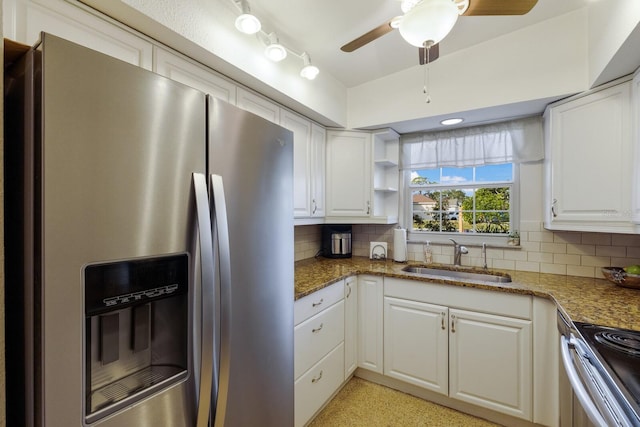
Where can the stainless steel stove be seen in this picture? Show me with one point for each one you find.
(603, 365)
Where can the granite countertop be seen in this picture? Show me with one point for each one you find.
(583, 299)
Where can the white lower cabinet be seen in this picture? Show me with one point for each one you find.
(469, 344)
(350, 325)
(370, 323)
(490, 362)
(318, 384)
(319, 363)
(416, 343)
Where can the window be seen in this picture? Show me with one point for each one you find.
(475, 199)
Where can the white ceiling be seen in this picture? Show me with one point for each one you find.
(321, 27)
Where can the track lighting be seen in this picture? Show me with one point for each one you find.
(247, 23)
(309, 71)
(274, 50)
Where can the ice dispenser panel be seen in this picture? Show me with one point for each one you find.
(136, 331)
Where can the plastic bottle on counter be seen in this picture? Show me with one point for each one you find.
(428, 255)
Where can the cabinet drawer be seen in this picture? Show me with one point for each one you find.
(312, 304)
(316, 336)
(318, 384)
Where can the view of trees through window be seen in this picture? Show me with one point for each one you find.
(464, 200)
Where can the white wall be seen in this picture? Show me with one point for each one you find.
(614, 39)
(544, 60)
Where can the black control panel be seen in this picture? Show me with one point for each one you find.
(117, 285)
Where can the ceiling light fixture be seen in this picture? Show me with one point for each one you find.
(451, 121)
(246, 22)
(309, 71)
(274, 50)
(428, 22)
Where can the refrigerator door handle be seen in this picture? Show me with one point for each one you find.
(221, 231)
(208, 378)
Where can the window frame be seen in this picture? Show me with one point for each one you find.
(435, 236)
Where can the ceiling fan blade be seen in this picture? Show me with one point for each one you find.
(499, 7)
(434, 53)
(379, 31)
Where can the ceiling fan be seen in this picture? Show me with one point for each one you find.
(426, 22)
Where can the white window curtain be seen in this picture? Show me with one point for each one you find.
(517, 141)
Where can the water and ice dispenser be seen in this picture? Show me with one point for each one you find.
(136, 331)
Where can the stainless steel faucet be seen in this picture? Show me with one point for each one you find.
(458, 250)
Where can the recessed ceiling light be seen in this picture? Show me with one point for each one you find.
(453, 121)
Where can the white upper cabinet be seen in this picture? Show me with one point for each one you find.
(190, 73)
(258, 105)
(635, 92)
(308, 167)
(24, 21)
(348, 175)
(589, 167)
(362, 176)
(318, 170)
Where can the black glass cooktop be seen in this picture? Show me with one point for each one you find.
(619, 352)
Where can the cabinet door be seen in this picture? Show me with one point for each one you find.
(350, 325)
(197, 76)
(24, 20)
(301, 129)
(490, 362)
(589, 151)
(370, 326)
(318, 166)
(348, 174)
(416, 343)
(258, 105)
(635, 92)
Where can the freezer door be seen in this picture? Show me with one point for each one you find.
(251, 163)
(114, 160)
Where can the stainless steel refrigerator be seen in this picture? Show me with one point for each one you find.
(149, 250)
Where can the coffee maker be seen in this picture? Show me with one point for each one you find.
(336, 241)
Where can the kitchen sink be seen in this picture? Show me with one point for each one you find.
(457, 274)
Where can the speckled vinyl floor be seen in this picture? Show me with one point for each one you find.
(362, 403)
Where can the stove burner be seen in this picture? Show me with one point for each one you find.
(626, 342)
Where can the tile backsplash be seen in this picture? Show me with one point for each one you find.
(567, 252)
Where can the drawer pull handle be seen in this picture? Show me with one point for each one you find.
(318, 329)
(453, 324)
(318, 378)
(443, 325)
(349, 290)
(315, 304)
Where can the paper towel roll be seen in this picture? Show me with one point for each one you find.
(399, 245)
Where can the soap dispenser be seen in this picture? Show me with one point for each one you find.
(428, 255)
